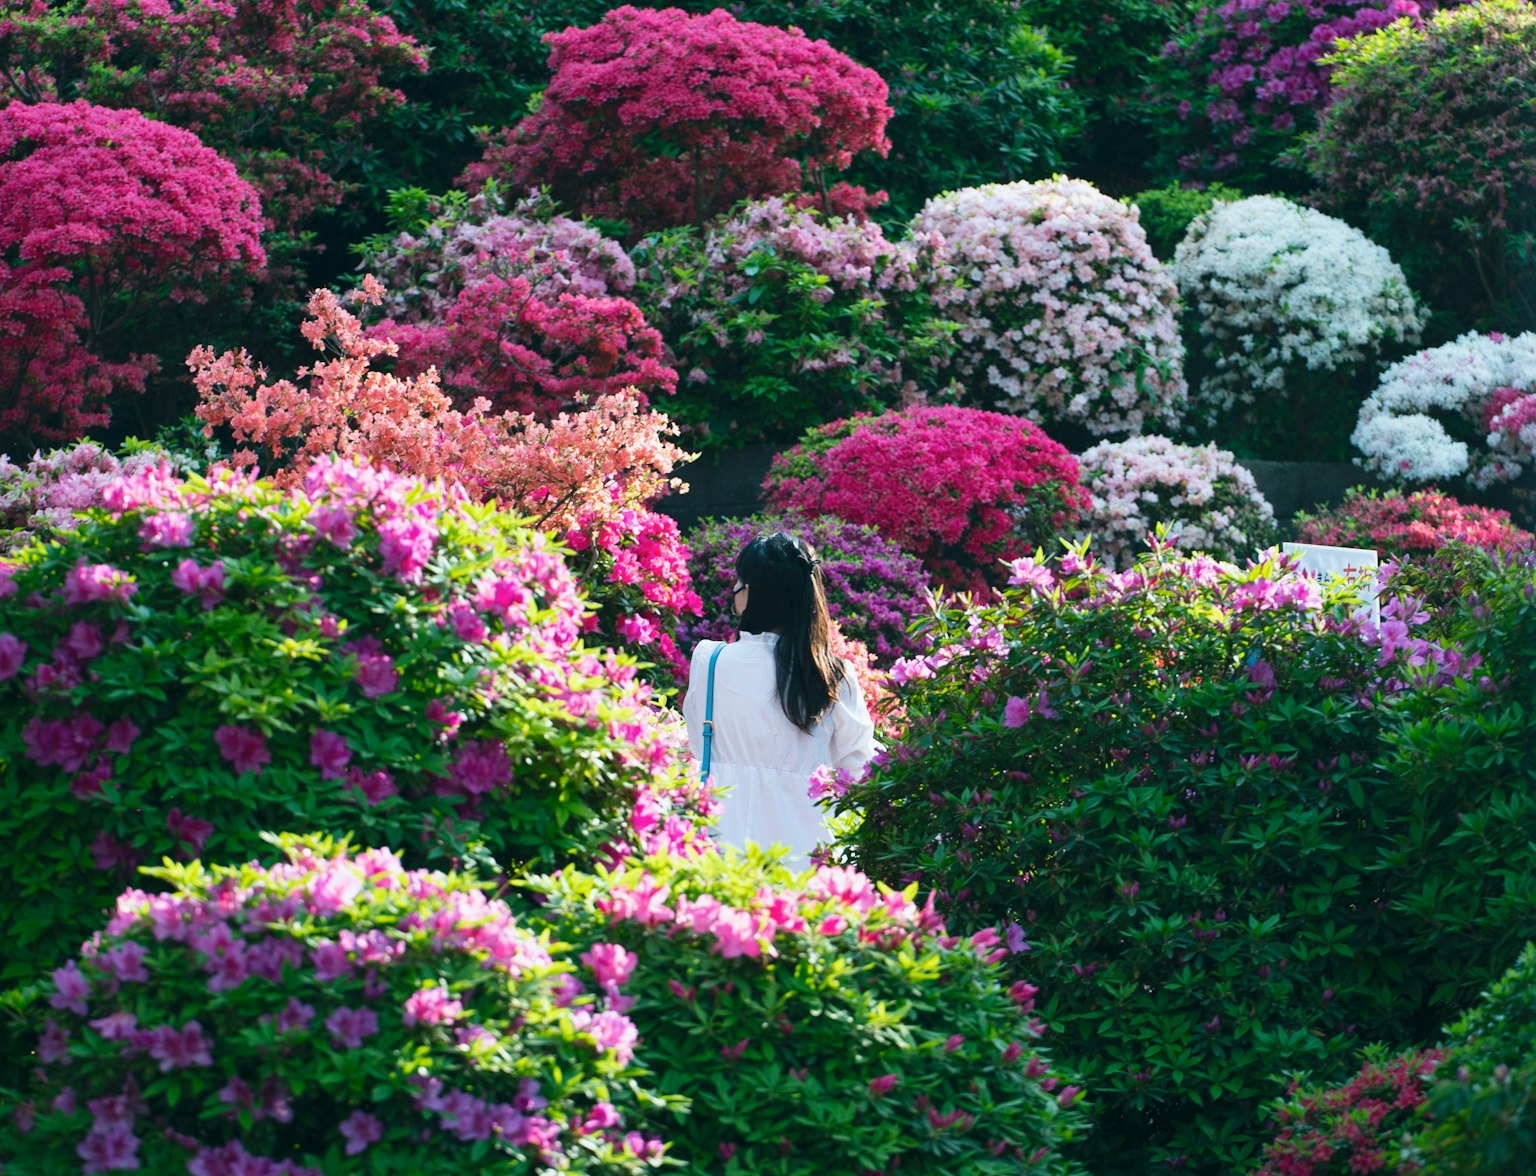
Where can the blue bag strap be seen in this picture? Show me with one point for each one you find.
(709, 710)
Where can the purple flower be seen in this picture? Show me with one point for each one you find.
(13, 652)
(244, 748)
(360, 1129)
(329, 752)
(179, 1049)
(1016, 712)
(70, 989)
(349, 1027)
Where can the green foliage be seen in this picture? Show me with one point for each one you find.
(815, 1024)
(1238, 836)
(1166, 212)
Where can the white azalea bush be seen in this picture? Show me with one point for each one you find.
(1279, 291)
(1064, 313)
(1463, 410)
(1209, 502)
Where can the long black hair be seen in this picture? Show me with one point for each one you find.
(786, 596)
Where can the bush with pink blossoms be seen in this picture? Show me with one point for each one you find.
(817, 1022)
(105, 215)
(47, 493)
(367, 652)
(1065, 315)
(1397, 523)
(659, 118)
(331, 1013)
(959, 488)
(1208, 502)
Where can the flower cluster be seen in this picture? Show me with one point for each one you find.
(1064, 312)
(1280, 291)
(875, 590)
(659, 117)
(960, 488)
(748, 977)
(317, 1013)
(377, 651)
(781, 318)
(1208, 501)
(47, 493)
(1463, 409)
(1396, 523)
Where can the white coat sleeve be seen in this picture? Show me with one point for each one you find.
(853, 730)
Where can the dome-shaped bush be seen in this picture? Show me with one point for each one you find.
(1064, 313)
(203, 661)
(333, 1013)
(1210, 503)
(1395, 523)
(959, 488)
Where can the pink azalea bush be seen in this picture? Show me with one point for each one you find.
(1207, 500)
(1064, 313)
(320, 1015)
(1397, 522)
(862, 1035)
(656, 117)
(47, 493)
(104, 215)
(1466, 409)
(366, 652)
(959, 488)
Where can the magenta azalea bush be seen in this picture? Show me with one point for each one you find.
(875, 590)
(1397, 522)
(1202, 495)
(332, 1013)
(1064, 314)
(370, 653)
(959, 488)
(817, 1022)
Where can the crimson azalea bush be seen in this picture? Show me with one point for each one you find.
(331, 1013)
(818, 1023)
(1429, 143)
(1396, 523)
(1233, 831)
(875, 590)
(781, 318)
(658, 118)
(1241, 82)
(284, 89)
(104, 216)
(959, 488)
(1361, 1126)
(372, 653)
(1064, 314)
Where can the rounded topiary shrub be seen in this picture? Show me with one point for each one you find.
(818, 1023)
(1289, 305)
(1396, 523)
(1064, 313)
(201, 661)
(1178, 781)
(875, 590)
(959, 488)
(1208, 502)
(332, 1013)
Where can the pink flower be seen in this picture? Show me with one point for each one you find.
(1016, 712)
(193, 832)
(87, 583)
(329, 752)
(13, 652)
(482, 766)
(883, 1085)
(611, 1030)
(242, 747)
(349, 1027)
(205, 583)
(374, 787)
(638, 630)
(376, 675)
(432, 1005)
(167, 529)
(611, 964)
(70, 989)
(360, 1129)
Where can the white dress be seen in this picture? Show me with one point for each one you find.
(760, 756)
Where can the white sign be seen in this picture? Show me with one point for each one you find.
(1326, 563)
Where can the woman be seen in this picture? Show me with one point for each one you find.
(783, 707)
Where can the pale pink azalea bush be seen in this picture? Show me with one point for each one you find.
(860, 1032)
(1064, 312)
(1207, 500)
(321, 1013)
(366, 652)
(46, 494)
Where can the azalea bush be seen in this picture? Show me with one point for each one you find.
(658, 118)
(1190, 786)
(1429, 143)
(816, 1022)
(875, 590)
(780, 318)
(959, 488)
(1064, 313)
(1359, 1126)
(1466, 409)
(105, 215)
(1397, 522)
(368, 652)
(332, 1013)
(1290, 308)
(1240, 84)
(1206, 500)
